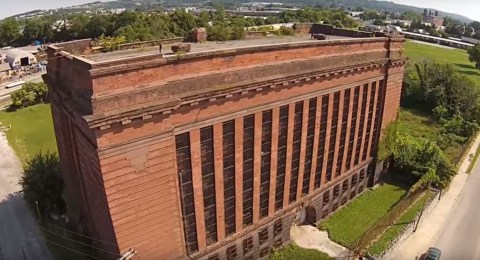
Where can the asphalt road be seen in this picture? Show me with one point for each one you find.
(19, 234)
(460, 236)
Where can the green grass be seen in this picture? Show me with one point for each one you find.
(382, 243)
(350, 222)
(31, 130)
(294, 252)
(458, 58)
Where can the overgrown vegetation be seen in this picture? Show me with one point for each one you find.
(111, 43)
(450, 101)
(41, 183)
(30, 94)
(293, 251)
(383, 242)
(351, 222)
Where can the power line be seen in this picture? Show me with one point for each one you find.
(73, 250)
(73, 240)
(94, 239)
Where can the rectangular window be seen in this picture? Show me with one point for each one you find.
(263, 236)
(264, 251)
(208, 184)
(265, 162)
(231, 252)
(333, 136)
(378, 120)
(326, 198)
(213, 257)
(281, 156)
(343, 133)
(248, 150)
(362, 124)
(247, 245)
(229, 176)
(369, 121)
(184, 167)
(297, 140)
(312, 110)
(277, 227)
(353, 128)
(321, 142)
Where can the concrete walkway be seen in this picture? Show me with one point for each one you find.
(312, 238)
(434, 217)
(19, 234)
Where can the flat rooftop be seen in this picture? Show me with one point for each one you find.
(205, 47)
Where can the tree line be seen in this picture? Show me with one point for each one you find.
(141, 26)
(452, 102)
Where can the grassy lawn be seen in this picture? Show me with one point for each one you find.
(294, 252)
(456, 57)
(350, 222)
(380, 245)
(31, 130)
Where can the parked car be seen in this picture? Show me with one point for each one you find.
(433, 254)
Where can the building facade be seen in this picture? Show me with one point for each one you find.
(214, 154)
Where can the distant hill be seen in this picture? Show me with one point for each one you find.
(367, 4)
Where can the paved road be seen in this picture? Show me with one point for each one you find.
(19, 235)
(460, 236)
(37, 77)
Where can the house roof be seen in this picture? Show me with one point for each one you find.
(4, 67)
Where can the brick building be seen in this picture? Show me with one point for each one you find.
(215, 153)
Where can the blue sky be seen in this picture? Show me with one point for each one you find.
(469, 8)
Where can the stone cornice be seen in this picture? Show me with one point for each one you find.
(105, 122)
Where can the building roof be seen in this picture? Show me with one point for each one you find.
(4, 67)
(17, 54)
(207, 46)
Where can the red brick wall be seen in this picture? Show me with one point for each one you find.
(393, 94)
(209, 110)
(125, 181)
(182, 69)
(141, 187)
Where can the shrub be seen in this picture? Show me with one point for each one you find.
(42, 184)
(30, 94)
(287, 31)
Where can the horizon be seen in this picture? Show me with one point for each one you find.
(24, 6)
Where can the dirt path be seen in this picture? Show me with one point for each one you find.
(19, 235)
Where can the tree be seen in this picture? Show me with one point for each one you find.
(98, 25)
(41, 182)
(30, 94)
(219, 32)
(474, 55)
(9, 31)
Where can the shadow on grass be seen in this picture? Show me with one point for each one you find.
(464, 66)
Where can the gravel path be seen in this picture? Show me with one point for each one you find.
(19, 235)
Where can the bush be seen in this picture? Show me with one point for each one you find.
(30, 94)
(287, 31)
(219, 32)
(42, 184)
